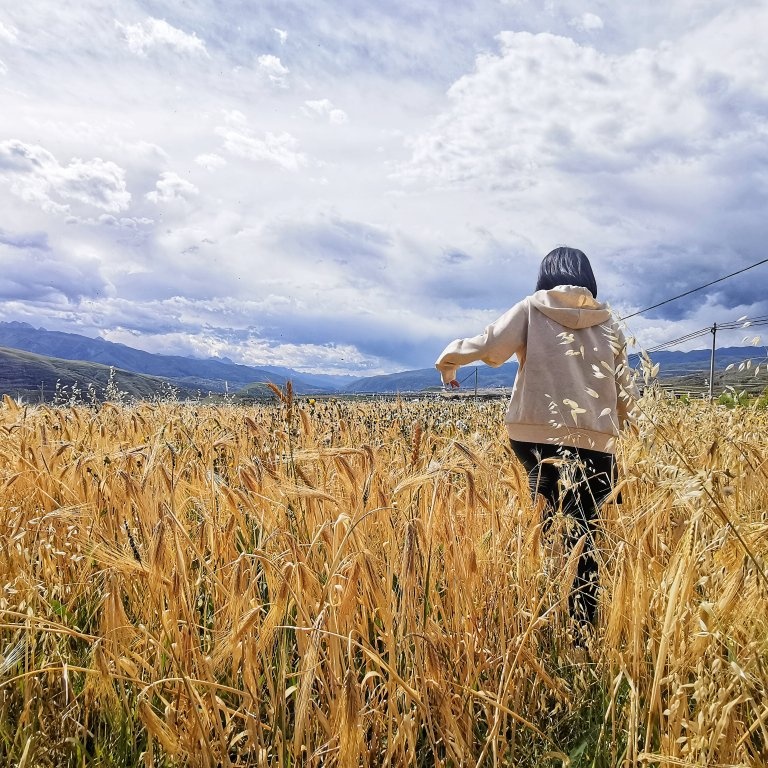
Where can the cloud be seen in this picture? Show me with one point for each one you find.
(211, 161)
(324, 108)
(587, 22)
(35, 274)
(618, 153)
(330, 290)
(158, 33)
(235, 118)
(335, 241)
(36, 176)
(8, 34)
(170, 187)
(273, 69)
(35, 241)
(124, 222)
(281, 34)
(682, 267)
(279, 148)
(3, 68)
(547, 105)
(247, 347)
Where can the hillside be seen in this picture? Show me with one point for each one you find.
(672, 363)
(219, 376)
(693, 365)
(429, 378)
(187, 372)
(36, 378)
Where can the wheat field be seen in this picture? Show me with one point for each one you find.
(368, 584)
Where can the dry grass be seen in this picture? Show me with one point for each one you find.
(345, 584)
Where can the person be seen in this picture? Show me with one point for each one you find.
(572, 395)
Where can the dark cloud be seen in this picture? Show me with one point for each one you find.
(494, 277)
(38, 276)
(35, 240)
(456, 257)
(188, 274)
(650, 277)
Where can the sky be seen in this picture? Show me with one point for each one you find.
(345, 186)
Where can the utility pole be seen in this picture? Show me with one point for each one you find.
(713, 329)
(475, 382)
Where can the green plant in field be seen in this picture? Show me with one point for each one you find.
(733, 399)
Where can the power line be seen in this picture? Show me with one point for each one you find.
(731, 325)
(679, 340)
(693, 290)
(757, 321)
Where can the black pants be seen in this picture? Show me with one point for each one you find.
(576, 481)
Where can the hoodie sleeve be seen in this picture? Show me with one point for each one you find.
(502, 338)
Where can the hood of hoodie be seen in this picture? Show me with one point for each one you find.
(571, 306)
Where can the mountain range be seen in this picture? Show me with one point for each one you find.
(34, 360)
(207, 375)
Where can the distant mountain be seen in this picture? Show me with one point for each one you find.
(190, 373)
(429, 378)
(673, 363)
(37, 378)
(201, 376)
(325, 381)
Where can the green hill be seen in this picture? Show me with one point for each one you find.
(36, 378)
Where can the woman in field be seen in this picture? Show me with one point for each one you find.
(572, 396)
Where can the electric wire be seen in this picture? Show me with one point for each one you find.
(680, 340)
(730, 325)
(693, 290)
(470, 374)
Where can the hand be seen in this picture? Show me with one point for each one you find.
(454, 384)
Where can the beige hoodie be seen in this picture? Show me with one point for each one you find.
(573, 386)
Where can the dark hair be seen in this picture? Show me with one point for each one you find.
(566, 266)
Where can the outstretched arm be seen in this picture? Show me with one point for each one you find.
(501, 339)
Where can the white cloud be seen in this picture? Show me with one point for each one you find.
(587, 22)
(281, 148)
(235, 117)
(273, 68)
(546, 107)
(324, 108)
(170, 187)
(281, 34)
(124, 222)
(8, 34)
(152, 33)
(36, 176)
(3, 68)
(249, 349)
(210, 162)
(95, 182)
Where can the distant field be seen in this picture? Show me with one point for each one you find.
(367, 583)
